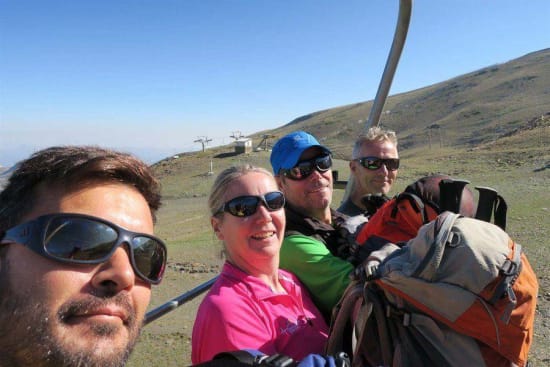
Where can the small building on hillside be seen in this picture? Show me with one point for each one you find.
(243, 145)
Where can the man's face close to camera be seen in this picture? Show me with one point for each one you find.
(60, 314)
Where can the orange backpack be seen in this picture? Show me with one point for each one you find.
(398, 219)
(455, 291)
(460, 293)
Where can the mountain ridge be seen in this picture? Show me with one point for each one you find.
(485, 103)
(490, 127)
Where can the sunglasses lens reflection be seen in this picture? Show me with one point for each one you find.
(83, 240)
(275, 200)
(304, 169)
(374, 163)
(149, 257)
(245, 206)
(79, 239)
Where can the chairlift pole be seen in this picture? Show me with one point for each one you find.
(399, 37)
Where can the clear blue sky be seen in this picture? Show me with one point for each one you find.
(152, 76)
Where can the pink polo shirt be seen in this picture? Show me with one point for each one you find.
(241, 312)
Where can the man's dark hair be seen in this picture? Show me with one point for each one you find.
(69, 168)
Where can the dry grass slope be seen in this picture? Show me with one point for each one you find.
(494, 130)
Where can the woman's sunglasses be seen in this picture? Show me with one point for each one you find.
(245, 206)
(374, 163)
(305, 168)
(83, 239)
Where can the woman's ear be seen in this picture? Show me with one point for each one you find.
(216, 226)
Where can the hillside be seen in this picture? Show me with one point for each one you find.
(491, 126)
(465, 111)
(3, 176)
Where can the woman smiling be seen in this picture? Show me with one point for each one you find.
(254, 304)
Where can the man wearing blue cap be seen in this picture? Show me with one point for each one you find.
(314, 248)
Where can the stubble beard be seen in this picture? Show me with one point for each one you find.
(323, 202)
(29, 332)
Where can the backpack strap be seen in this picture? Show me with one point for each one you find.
(373, 201)
(509, 272)
(387, 332)
(399, 341)
(416, 203)
(342, 315)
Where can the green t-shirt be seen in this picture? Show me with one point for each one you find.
(325, 275)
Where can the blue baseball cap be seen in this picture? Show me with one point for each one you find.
(287, 151)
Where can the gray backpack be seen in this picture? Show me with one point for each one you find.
(461, 293)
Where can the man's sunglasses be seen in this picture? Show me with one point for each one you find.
(374, 163)
(83, 239)
(245, 206)
(304, 169)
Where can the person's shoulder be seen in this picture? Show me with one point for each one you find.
(232, 284)
(343, 206)
(226, 299)
(300, 249)
(348, 208)
(338, 214)
(299, 239)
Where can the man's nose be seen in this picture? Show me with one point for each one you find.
(384, 169)
(316, 174)
(115, 274)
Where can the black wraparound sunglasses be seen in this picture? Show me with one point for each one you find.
(374, 163)
(245, 206)
(304, 169)
(83, 239)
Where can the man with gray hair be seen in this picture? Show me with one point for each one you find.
(373, 167)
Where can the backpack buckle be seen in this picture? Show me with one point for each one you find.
(276, 360)
(509, 268)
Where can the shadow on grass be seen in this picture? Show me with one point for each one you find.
(227, 154)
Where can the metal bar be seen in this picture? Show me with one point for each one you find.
(178, 301)
(399, 37)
